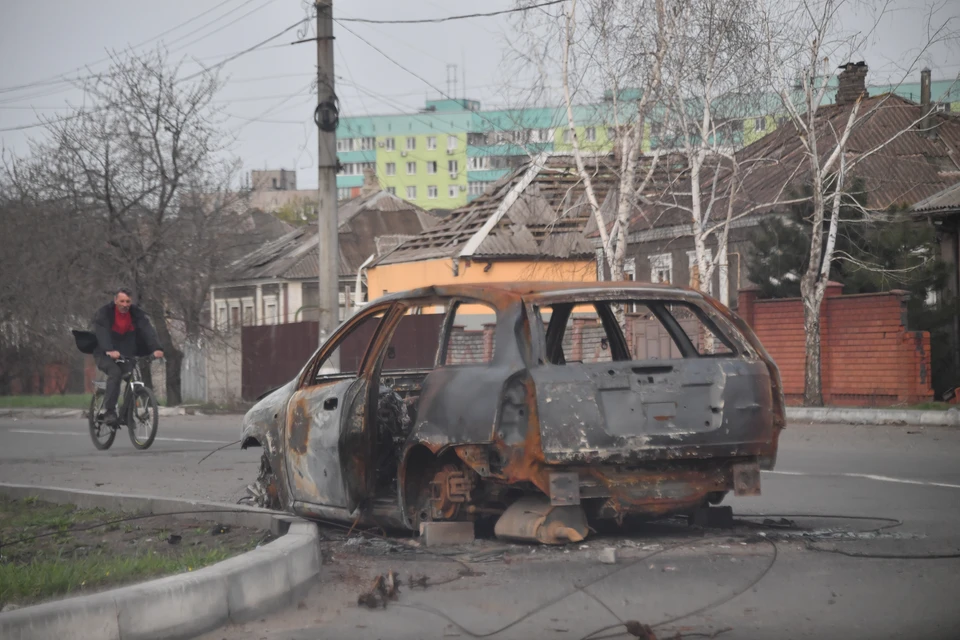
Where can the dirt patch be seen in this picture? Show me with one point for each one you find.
(49, 550)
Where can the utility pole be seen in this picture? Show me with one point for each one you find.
(326, 117)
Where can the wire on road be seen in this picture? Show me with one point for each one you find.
(230, 444)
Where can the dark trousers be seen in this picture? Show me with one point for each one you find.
(114, 373)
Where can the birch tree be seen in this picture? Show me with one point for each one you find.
(609, 51)
(804, 42)
(711, 86)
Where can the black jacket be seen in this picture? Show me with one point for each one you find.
(141, 341)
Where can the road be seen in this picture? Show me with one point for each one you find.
(59, 452)
(784, 583)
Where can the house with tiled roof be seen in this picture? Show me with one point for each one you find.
(533, 224)
(278, 282)
(904, 152)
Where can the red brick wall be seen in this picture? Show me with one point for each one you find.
(868, 356)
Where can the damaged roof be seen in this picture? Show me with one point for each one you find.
(538, 210)
(945, 201)
(898, 164)
(369, 225)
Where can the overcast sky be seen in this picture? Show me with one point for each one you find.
(268, 98)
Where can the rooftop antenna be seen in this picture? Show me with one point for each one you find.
(451, 80)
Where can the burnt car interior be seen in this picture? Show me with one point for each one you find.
(426, 337)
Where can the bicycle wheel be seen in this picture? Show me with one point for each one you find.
(145, 416)
(101, 434)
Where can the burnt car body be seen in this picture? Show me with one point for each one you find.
(653, 424)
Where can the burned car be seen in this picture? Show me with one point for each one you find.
(541, 406)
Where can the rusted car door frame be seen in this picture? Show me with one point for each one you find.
(323, 427)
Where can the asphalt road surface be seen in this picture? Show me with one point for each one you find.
(877, 568)
(59, 453)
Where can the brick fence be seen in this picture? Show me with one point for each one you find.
(868, 356)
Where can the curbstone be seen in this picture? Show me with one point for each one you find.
(94, 616)
(852, 415)
(181, 606)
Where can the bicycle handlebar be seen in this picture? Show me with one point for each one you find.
(124, 360)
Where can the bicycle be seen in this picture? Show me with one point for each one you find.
(137, 410)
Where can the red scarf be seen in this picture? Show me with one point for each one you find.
(122, 322)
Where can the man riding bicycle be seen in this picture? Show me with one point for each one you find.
(123, 330)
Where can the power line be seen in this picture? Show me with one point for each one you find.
(450, 18)
(45, 122)
(61, 78)
(233, 57)
(222, 27)
(217, 66)
(479, 114)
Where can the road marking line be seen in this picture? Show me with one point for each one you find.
(869, 476)
(74, 433)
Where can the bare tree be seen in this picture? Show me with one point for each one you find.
(49, 277)
(611, 53)
(711, 86)
(145, 167)
(803, 39)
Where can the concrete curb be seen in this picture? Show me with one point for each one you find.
(82, 413)
(182, 606)
(850, 415)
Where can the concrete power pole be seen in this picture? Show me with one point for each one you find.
(327, 116)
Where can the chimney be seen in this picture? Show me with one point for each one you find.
(370, 183)
(926, 121)
(852, 83)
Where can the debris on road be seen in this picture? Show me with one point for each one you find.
(385, 587)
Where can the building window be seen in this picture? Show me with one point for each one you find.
(591, 134)
(478, 163)
(431, 167)
(661, 268)
(611, 134)
(451, 142)
(452, 191)
(476, 187)
(392, 191)
(536, 135)
(759, 124)
(367, 144)
(694, 271)
(221, 315)
(411, 144)
(431, 143)
(345, 144)
(391, 168)
(411, 193)
(355, 168)
(248, 318)
(453, 167)
(432, 192)
(390, 144)
(411, 168)
(568, 136)
(343, 193)
(473, 139)
(270, 310)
